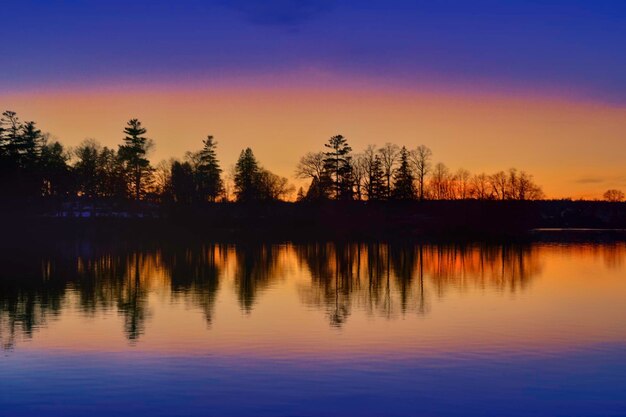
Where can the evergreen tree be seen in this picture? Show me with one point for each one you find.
(337, 164)
(183, 184)
(208, 171)
(300, 196)
(10, 129)
(247, 177)
(133, 153)
(55, 170)
(403, 188)
(29, 145)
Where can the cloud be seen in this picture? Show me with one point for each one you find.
(609, 181)
(285, 13)
(590, 180)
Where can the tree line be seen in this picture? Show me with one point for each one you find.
(396, 279)
(32, 164)
(397, 173)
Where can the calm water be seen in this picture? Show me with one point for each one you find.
(313, 330)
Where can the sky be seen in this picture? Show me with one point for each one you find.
(488, 85)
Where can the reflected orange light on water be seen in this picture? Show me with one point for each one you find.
(338, 300)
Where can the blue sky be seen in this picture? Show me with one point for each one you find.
(566, 47)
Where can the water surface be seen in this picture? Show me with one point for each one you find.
(313, 329)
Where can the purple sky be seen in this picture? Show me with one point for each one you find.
(570, 48)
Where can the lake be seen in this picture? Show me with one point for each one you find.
(319, 329)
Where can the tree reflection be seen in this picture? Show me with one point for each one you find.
(256, 266)
(389, 280)
(195, 274)
(339, 279)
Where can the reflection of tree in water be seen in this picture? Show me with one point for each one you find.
(502, 267)
(256, 266)
(37, 284)
(30, 292)
(614, 255)
(195, 274)
(380, 279)
(392, 280)
(132, 299)
(331, 268)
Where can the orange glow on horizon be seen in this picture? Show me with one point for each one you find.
(573, 149)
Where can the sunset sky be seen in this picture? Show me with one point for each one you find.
(488, 85)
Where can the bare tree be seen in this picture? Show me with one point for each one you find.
(440, 182)
(163, 178)
(389, 156)
(480, 187)
(613, 195)
(229, 184)
(526, 189)
(311, 166)
(499, 183)
(367, 158)
(359, 174)
(420, 159)
(463, 186)
(513, 185)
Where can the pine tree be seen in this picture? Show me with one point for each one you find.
(29, 145)
(208, 171)
(403, 188)
(300, 196)
(247, 177)
(10, 129)
(337, 164)
(133, 153)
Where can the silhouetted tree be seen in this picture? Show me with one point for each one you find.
(480, 187)
(403, 188)
(272, 186)
(440, 182)
(311, 166)
(420, 158)
(462, 180)
(55, 170)
(163, 180)
(183, 184)
(388, 157)
(522, 186)
(247, 177)
(373, 181)
(209, 172)
(133, 153)
(29, 145)
(337, 164)
(300, 196)
(499, 185)
(613, 195)
(10, 127)
(86, 167)
(359, 174)
(111, 174)
(376, 184)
